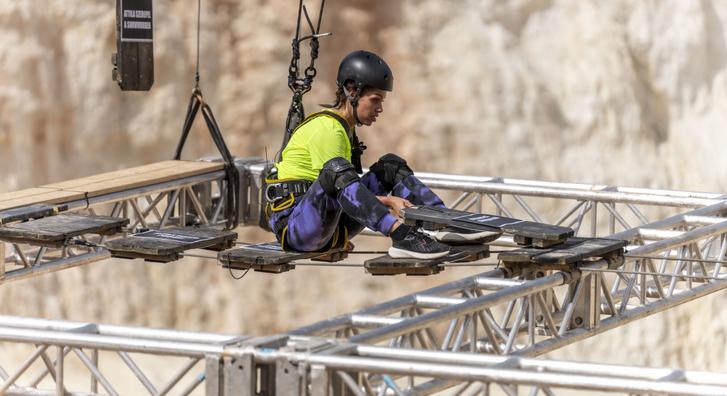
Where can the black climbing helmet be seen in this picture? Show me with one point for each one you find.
(365, 69)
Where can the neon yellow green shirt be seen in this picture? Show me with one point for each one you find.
(312, 145)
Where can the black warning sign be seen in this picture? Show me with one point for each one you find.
(136, 20)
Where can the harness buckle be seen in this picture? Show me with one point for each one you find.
(276, 191)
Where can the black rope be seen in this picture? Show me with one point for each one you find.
(238, 277)
(199, 27)
(196, 102)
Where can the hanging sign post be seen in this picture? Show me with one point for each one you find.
(134, 60)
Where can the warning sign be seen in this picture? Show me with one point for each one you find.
(136, 20)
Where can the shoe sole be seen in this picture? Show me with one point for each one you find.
(453, 237)
(400, 253)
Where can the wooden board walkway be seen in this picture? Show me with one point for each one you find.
(26, 213)
(56, 231)
(386, 265)
(170, 243)
(270, 257)
(107, 183)
(572, 252)
(525, 232)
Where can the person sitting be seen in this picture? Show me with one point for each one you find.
(321, 202)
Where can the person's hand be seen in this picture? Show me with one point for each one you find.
(396, 204)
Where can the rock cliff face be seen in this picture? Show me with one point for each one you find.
(617, 92)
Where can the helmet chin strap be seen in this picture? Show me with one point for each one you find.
(353, 99)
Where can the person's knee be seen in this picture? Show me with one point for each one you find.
(390, 169)
(337, 174)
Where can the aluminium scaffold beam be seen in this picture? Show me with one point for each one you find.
(150, 197)
(303, 365)
(669, 261)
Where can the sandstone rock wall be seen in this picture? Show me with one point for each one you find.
(618, 92)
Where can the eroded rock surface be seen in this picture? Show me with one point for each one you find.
(614, 92)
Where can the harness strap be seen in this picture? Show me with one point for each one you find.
(196, 102)
(277, 190)
(357, 146)
(232, 175)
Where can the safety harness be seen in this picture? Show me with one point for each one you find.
(277, 190)
(281, 194)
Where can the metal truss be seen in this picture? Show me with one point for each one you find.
(100, 350)
(464, 335)
(669, 262)
(116, 360)
(202, 198)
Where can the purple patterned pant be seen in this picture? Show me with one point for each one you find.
(316, 216)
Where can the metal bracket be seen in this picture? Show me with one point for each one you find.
(250, 207)
(587, 313)
(289, 380)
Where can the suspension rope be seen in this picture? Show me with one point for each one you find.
(199, 28)
(197, 103)
(456, 263)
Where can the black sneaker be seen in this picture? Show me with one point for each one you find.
(418, 245)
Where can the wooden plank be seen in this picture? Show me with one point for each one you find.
(26, 213)
(122, 180)
(113, 175)
(387, 265)
(487, 222)
(572, 251)
(167, 244)
(57, 230)
(527, 255)
(107, 183)
(588, 248)
(524, 255)
(268, 253)
(517, 227)
(49, 197)
(184, 169)
(28, 192)
(438, 217)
